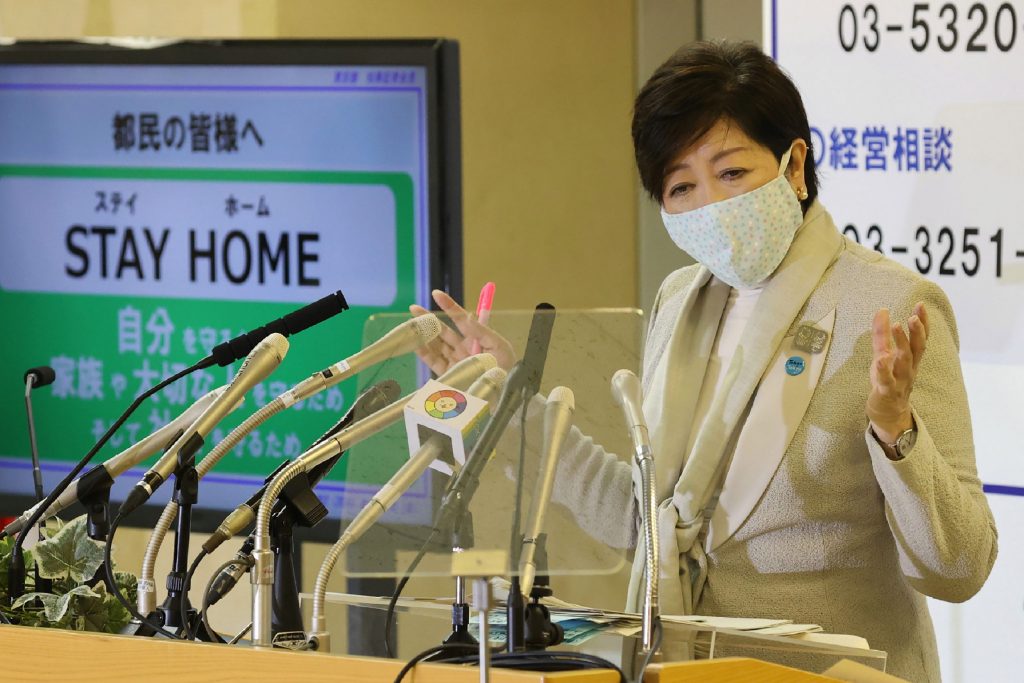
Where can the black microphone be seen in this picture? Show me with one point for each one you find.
(523, 382)
(537, 345)
(34, 378)
(293, 323)
(41, 376)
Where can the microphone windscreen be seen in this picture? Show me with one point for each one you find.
(562, 395)
(377, 397)
(535, 356)
(313, 314)
(293, 323)
(427, 327)
(41, 376)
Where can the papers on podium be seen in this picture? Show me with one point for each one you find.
(583, 623)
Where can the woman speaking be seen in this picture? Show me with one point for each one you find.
(809, 422)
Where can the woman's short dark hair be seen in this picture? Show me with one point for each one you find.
(708, 81)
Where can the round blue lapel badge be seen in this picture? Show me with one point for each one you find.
(795, 365)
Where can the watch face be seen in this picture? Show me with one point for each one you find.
(906, 441)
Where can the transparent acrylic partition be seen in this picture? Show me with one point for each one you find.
(588, 523)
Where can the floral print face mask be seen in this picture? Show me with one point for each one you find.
(743, 239)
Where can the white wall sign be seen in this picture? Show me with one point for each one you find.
(916, 109)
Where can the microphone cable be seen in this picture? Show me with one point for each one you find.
(430, 652)
(183, 601)
(659, 631)
(207, 600)
(389, 617)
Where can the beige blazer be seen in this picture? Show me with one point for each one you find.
(813, 523)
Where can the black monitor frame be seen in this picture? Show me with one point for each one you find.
(439, 57)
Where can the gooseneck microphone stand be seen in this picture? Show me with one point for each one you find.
(37, 377)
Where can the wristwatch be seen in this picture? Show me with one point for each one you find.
(902, 446)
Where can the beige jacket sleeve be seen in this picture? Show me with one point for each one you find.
(591, 483)
(935, 506)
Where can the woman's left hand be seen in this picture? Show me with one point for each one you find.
(893, 370)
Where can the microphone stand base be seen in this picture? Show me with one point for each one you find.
(460, 634)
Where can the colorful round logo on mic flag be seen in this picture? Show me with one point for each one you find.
(445, 404)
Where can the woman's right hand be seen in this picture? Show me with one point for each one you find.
(451, 346)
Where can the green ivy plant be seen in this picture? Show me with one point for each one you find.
(79, 602)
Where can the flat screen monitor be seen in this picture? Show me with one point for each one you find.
(156, 202)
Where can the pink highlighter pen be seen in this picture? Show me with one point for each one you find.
(483, 310)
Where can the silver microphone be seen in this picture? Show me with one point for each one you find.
(628, 395)
(326, 447)
(409, 336)
(557, 420)
(103, 475)
(260, 362)
(487, 387)
(627, 392)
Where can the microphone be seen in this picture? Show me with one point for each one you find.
(403, 339)
(628, 395)
(523, 381)
(293, 323)
(330, 446)
(102, 476)
(526, 376)
(558, 414)
(36, 377)
(260, 362)
(371, 400)
(407, 337)
(374, 399)
(486, 387)
(41, 376)
(377, 397)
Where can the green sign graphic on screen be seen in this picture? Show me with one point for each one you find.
(149, 213)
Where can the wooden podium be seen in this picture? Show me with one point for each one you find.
(42, 655)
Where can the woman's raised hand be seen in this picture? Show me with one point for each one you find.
(893, 370)
(451, 346)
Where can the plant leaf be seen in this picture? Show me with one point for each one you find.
(129, 585)
(6, 548)
(70, 553)
(95, 616)
(29, 597)
(56, 609)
